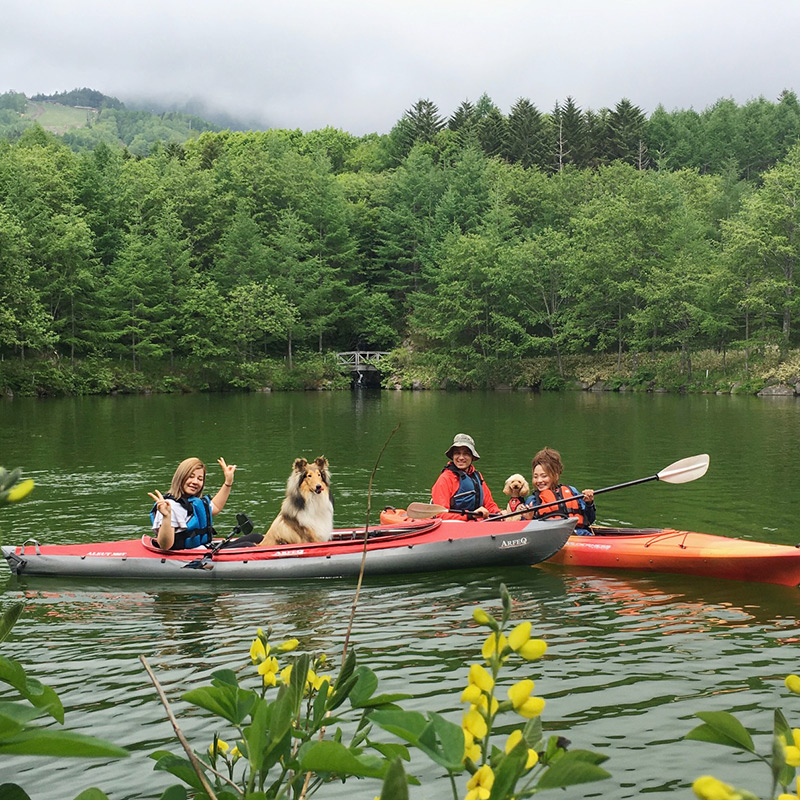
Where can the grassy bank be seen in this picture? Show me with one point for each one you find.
(736, 372)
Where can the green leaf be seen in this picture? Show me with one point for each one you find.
(408, 725)
(10, 791)
(366, 684)
(92, 794)
(229, 702)
(452, 740)
(722, 728)
(31, 689)
(10, 616)
(391, 750)
(176, 792)
(574, 767)
(14, 717)
(782, 773)
(60, 743)
(256, 735)
(181, 768)
(332, 757)
(395, 784)
(224, 677)
(508, 771)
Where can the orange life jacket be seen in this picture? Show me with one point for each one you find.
(572, 508)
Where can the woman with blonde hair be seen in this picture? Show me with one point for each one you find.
(182, 518)
(547, 469)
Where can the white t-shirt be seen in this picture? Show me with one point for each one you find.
(180, 517)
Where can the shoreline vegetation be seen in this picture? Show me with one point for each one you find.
(571, 249)
(768, 373)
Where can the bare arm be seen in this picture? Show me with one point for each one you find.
(165, 536)
(221, 497)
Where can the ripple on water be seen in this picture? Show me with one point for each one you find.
(630, 660)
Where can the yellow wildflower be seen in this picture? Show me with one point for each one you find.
(21, 490)
(286, 674)
(493, 646)
(481, 617)
(793, 684)
(483, 703)
(481, 678)
(289, 644)
(268, 669)
(475, 724)
(235, 754)
(480, 784)
(319, 680)
(258, 651)
(524, 704)
(221, 747)
(472, 694)
(792, 751)
(515, 737)
(706, 787)
(519, 640)
(472, 750)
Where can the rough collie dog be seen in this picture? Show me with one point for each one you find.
(517, 489)
(307, 510)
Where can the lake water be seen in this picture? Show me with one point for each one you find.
(631, 657)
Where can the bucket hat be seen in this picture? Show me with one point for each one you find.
(463, 440)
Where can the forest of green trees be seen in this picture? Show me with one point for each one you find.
(477, 248)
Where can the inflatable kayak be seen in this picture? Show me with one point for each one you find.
(411, 546)
(669, 550)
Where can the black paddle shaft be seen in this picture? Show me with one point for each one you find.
(568, 499)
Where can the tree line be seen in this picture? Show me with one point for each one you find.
(232, 249)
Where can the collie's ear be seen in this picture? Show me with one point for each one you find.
(300, 464)
(507, 488)
(526, 488)
(321, 462)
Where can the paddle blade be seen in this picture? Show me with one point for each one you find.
(424, 510)
(685, 470)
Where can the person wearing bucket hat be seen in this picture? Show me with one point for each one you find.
(460, 487)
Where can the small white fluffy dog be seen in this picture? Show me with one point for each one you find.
(517, 488)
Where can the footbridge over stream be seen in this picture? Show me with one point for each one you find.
(364, 365)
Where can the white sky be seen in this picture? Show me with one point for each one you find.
(358, 65)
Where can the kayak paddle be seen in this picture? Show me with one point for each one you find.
(683, 471)
(244, 526)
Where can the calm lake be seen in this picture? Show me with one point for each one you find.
(631, 656)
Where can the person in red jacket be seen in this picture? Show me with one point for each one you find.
(460, 487)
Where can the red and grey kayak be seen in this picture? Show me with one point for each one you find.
(413, 546)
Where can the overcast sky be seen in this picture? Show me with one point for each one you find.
(358, 65)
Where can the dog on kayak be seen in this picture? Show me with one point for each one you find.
(307, 510)
(517, 489)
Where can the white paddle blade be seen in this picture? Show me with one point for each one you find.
(424, 510)
(685, 470)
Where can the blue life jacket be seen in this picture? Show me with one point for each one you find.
(198, 527)
(470, 489)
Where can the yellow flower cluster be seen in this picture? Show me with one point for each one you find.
(483, 705)
(707, 787)
(221, 748)
(267, 665)
(479, 786)
(792, 751)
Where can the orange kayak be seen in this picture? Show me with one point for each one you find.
(669, 550)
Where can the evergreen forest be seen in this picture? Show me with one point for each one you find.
(526, 248)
